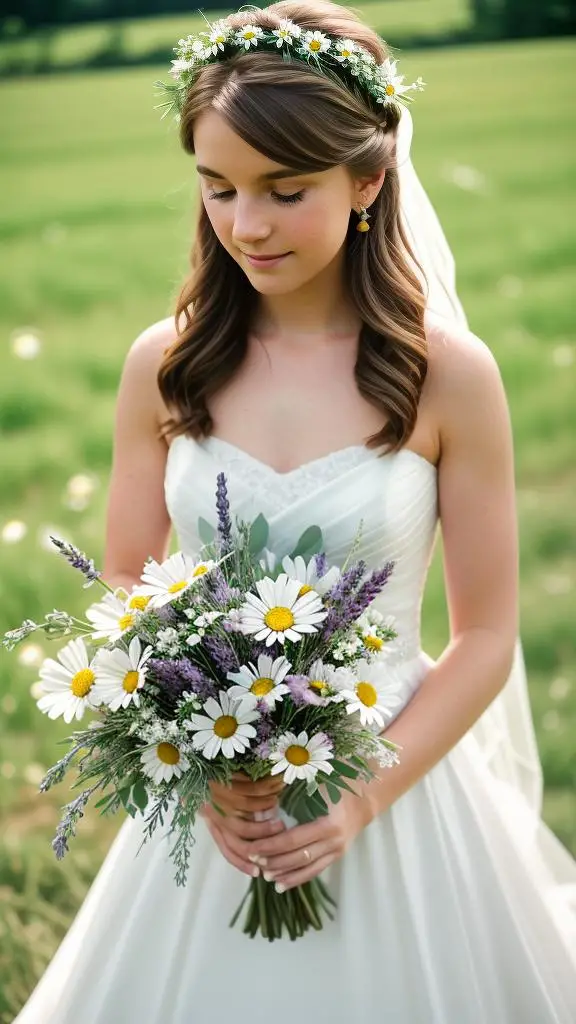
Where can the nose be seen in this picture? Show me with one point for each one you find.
(251, 223)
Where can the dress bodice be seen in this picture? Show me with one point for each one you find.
(394, 496)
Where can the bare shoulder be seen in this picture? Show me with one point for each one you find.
(143, 362)
(464, 386)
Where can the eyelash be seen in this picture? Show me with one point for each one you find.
(296, 197)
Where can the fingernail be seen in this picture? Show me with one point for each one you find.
(279, 887)
(265, 815)
(255, 872)
(269, 876)
(257, 860)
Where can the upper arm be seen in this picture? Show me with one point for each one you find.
(138, 524)
(477, 490)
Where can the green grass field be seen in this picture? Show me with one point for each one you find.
(97, 211)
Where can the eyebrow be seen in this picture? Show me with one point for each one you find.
(283, 172)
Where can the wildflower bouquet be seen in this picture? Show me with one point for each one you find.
(210, 667)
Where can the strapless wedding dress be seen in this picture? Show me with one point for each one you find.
(448, 909)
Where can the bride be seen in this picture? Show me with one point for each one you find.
(320, 357)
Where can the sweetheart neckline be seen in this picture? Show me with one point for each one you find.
(266, 467)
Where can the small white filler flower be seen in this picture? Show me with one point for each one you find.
(163, 761)
(224, 726)
(120, 675)
(67, 684)
(279, 613)
(301, 758)
(261, 682)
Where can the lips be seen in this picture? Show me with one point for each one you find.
(277, 256)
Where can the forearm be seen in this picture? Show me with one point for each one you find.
(464, 681)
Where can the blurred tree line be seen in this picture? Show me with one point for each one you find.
(492, 19)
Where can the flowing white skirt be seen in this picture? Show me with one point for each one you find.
(448, 913)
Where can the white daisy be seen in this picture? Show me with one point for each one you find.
(320, 678)
(263, 682)
(163, 761)
(165, 582)
(301, 758)
(179, 66)
(120, 675)
(67, 684)
(392, 84)
(375, 632)
(225, 727)
(346, 50)
(307, 575)
(115, 615)
(370, 690)
(218, 37)
(279, 613)
(315, 43)
(248, 36)
(287, 32)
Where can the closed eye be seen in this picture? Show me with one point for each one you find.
(294, 198)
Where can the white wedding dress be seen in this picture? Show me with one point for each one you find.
(453, 906)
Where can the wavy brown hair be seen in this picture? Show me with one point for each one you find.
(297, 116)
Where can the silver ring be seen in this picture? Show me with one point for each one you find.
(307, 855)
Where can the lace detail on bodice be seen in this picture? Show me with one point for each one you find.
(283, 489)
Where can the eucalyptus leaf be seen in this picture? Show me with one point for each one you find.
(139, 795)
(345, 769)
(259, 531)
(206, 532)
(310, 543)
(333, 792)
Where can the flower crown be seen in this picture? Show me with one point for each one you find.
(334, 56)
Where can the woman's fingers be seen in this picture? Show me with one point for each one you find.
(245, 829)
(242, 798)
(228, 853)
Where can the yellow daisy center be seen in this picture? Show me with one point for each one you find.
(225, 726)
(176, 587)
(167, 753)
(260, 687)
(373, 643)
(297, 755)
(130, 682)
(304, 589)
(315, 44)
(279, 619)
(220, 39)
(139, 603)
(82, 682)
(200, 570)
(390, 90)
(366, 694)
(317, 684)
(345, 53)
(249, 35)
(126, 621)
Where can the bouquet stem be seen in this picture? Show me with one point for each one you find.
(297, 910)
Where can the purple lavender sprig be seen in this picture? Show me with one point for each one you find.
(78, 560)
(180, 674)
(321, 564)
(223, 509)
(370, 590)
(67, 827)
(221, 652)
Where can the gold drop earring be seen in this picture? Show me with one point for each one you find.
(362, 224)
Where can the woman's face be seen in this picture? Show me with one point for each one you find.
(256, 208)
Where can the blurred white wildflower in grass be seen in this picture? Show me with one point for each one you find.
(563, 355)
(34, 773)
(560, 688)
(25, 343)
(9, 704)
(467, 178)
(55, 233)
(558, 583)
(14, 531)
(79, 490)
(30, 655)
(36, 690)
(7, 770)
(552, 722)
(510, 287)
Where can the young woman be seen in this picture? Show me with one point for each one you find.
(307, 361)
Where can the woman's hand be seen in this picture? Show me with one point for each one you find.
(302, 852)
(250, 813)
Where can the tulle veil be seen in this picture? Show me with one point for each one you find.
(504, 735)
